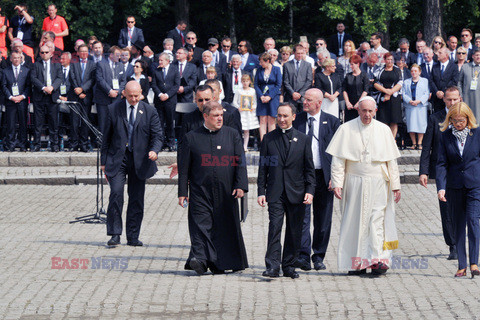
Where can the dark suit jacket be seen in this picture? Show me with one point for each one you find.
(428, 158)
(147, 136)
(230, 54)
(364, 69)
(439, 82)
(23, 82)
(202, 76)
(227, 81)
(333, 42)
(169, 85)
(27, 62)
(177, 40)
(322, 83)
(410, 59)
(455, 171)
(252, 63)
(427, 75)
(68, 84)
(136, 36)
(38, 81)
(197, 56)
(188, 80)
(129, 72)
(236, 120)
(327, 128)
(294, 174)
(104, 81)
(221, 65)
(88, 82)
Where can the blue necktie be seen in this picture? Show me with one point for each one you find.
(310, 126)
(441, 71)
(131, 121)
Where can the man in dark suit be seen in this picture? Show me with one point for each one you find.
(286, 180)
(321, 129)
(444, 75)
(227, 49)
(165, 84)
(130, 146)
(427, 65)
(404, 46)
(197, 51)
(219, 60)
(130, 34)
(338, 40)
(320, 43)
(371, 69)
(466, 37)
(297, 77)
(232, 79)
(428, 163)
(125, 63)
(46, 79)
(207, 62)
(110, 82)
(16, 90)
(82, 78)
(188, 76)
(249, 60)
(178, 35)
(66, 94)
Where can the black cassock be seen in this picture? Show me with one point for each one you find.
(210, 163)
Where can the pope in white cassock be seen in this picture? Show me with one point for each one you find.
(365, 178)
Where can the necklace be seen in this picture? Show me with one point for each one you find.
(365, 152)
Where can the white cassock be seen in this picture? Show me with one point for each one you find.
(364, 164)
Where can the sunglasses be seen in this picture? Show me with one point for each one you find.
(465, 35)
(191, 38)
(44, 52)
(225, 46)
(201, 100)
(463, 53)
(130, 21)
(437, 42)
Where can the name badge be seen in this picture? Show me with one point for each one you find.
(63, 89)
(473, 84)
(235, 88)
(49, 82)
(15, 91)
(20, 35)
(115, 84)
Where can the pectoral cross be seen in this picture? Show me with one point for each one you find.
(365, 154)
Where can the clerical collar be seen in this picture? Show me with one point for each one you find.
(286, 130)
(209, 130)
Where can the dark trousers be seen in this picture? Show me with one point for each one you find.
(465, 206)
(78, 130)
(46, 110)
(16, 113)
(136, 196)
(322, 222)
(293, 233)
(448, 223)
(166, 112)
(102, 114)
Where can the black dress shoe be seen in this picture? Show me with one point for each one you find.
(197, 265)
(303, 264)
(453, 253)
(271, 273)
(357, 272)
(134, 243)
(380, 268)
(290, 274)
(318, 265)
(114, 241)
(215, 270)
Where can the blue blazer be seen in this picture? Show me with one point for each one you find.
(23, 82)
(252, 63)
(274, 85)
(422, 92)
(327, 128)
(455, 171)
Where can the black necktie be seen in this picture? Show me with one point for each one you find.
(236, 77)
(310, 127)
(131, 121)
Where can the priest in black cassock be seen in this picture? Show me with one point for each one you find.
(211, 178)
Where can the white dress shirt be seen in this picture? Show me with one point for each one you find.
(315, 139)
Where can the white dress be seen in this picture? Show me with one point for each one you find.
(246, 103)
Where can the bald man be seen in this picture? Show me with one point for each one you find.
(131, 142)
(321, 127)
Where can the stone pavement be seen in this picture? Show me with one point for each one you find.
(149, 282)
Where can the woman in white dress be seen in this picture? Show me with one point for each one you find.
(415, 100)
(245, 100)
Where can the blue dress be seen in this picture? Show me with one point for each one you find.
(416, 116)
(268, 87)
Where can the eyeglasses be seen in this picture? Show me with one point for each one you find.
(464, 35)
(44, 52)
(319, 44)
(211, 45)
(458, 121)
(225, 46)
(463, 53)
(202, 100)
(437, 42)
(130, 21)
(191, 38)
